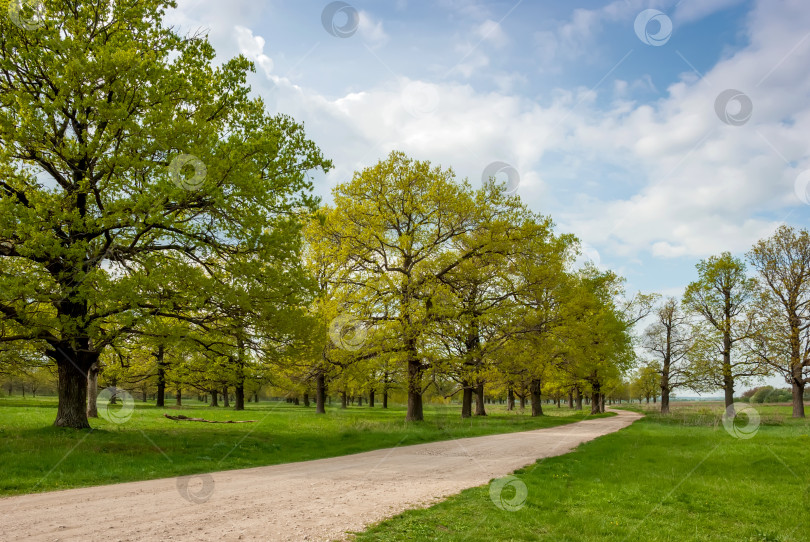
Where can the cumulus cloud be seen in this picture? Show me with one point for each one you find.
(371, 30)
(697, 186)
(664, 178)
(253, 48)
(217, 19)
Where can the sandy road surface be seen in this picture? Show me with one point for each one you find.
(312, 500)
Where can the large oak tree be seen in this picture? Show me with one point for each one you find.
(100, 107)
(403, 226)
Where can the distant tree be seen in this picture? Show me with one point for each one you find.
(762, 394)
(746, 396)
(722, 298)
(647, 381)
(670, 340)
(782, 340)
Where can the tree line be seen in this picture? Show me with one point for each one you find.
(741, 320)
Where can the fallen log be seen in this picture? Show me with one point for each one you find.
(181, 418)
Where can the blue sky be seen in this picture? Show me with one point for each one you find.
(614, 134)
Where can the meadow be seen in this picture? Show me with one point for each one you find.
(665, 478)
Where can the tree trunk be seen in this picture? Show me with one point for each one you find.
(239, 393)
(798, 398)
(226, 400)
(359, 400)
(479, 399)
(178, 398)
(214, 398)
(343, 400)
(239, 389)
(466, 400)
(535, 389)
(414, 413)
(371, 398)
(385, 398)
(595, 400)
(510, 399)
(728, 376)
(306, 399)
(664, 401)
(92, 391)
(160, 400)
(728, 394)
(320, 393)
(72, 387)
(578, 398)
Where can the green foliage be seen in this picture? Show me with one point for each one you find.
(722, 298)
(100, 226)
(782, 312)
(767, 394)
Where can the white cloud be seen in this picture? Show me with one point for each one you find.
(371, 30)
(253, 48)
(692, 10)
(491, 32)
(577, 38)
(664, 178)
(704, 186)
(217, 19)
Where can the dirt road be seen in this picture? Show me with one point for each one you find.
(313, 500)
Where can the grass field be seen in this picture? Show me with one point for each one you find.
(38, 457)
(676, 478)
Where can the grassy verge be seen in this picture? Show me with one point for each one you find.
(38, 457)
(681, 477)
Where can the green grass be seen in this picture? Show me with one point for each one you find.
(675, 478)
(35, 456)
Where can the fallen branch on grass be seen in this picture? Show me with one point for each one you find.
(181, 418)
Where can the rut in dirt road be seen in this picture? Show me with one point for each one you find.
(313, 500)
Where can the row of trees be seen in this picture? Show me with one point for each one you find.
(730, 328)
(156, 224)
(456, 289)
